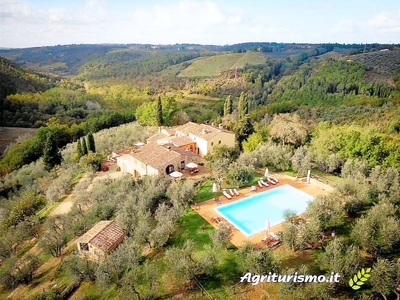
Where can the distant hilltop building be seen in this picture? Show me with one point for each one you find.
(173, 147)
(100, 240)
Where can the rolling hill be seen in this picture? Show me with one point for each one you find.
(215, 65)
(14, 79)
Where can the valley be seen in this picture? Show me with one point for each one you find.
(72, 111)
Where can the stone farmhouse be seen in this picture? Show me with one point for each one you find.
(172, 148)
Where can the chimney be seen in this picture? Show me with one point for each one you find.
(220, 126)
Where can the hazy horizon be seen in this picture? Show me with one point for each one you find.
(36, 23)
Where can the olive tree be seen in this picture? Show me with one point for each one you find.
(379, 230)
(222, 236)
(385, 278)
(184, 265)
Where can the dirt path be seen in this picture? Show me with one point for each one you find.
(67, 204)
(47, 269)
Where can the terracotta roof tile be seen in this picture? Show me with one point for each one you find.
(202, 131)
(182, 141)
(105, 235)
(155, 155)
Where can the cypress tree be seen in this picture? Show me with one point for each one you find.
(159, 112)
(243, 105)
(84, 147)
(79, 150)
(90, 142)
(228, 105)
(51, 153)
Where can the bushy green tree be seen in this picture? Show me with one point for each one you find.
(341, 258)
(270, 154)
(91, 161)
(329, 210)
(254, 140)
(257, 261)
(301, 160)
(26, 207)
(147, 113)
(299, 234)
(243, 129)
(184, 265)
(385, 278)
(379, 230)
(294, 291)
(289, 129)
(55, 235)
(240, 175)
(221, 237)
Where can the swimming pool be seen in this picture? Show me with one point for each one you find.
(249, 215)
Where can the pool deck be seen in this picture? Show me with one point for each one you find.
(206, 208)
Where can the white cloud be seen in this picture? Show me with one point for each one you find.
(185, 21)
(26, 24)
(21, 12)
(344, 26)
(387, 22)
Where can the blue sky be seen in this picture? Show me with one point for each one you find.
(28, 23)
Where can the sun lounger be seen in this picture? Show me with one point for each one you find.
(236, 192)
(263, 182)
(216, 219)
(253, 188)
(276, 237)
(231, 192)
(226, 194)
(273, 243)
(260, 184)
(271, 181)
(276, 179)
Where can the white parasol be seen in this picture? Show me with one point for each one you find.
(214, 188)
(176, 174)
(266, 174)
(191, 165)
(267, 225)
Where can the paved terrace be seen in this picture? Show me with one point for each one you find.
(206, 208)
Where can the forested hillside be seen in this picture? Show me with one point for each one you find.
(14, 79)
(329, 108)
(325, 82)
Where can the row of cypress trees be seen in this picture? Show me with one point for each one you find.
(85, 145)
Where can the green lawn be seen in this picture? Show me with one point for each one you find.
(205, 191)
(193, 226)
(317, 174)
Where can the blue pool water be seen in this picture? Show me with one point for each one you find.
(249, 215)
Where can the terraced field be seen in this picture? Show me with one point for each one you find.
(214, 65)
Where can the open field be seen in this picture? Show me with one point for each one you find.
(9, 135)
(214, 65)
